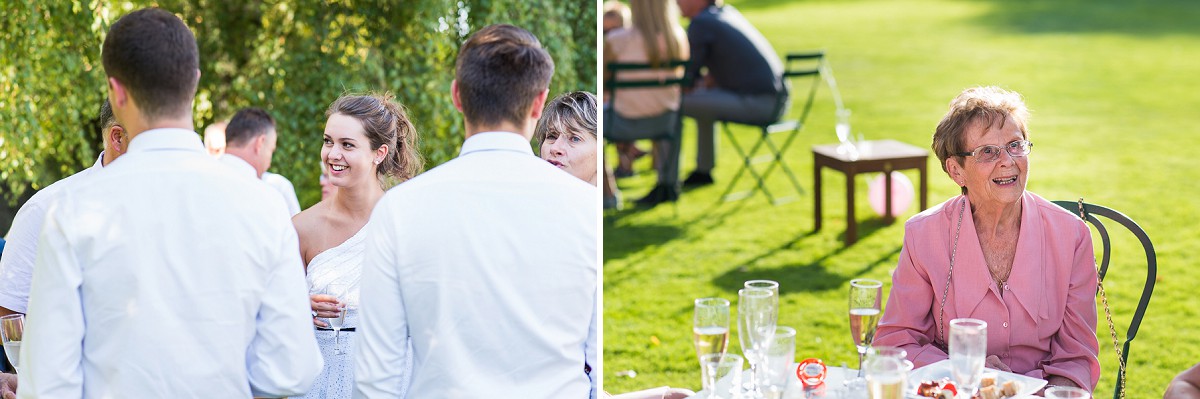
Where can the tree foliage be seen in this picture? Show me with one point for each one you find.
(291, 57)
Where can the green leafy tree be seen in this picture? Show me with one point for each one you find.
(291, 57)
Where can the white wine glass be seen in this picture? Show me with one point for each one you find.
(968, 350)
(337, 290)
(710, 333)
(865, 303)
(756, 329)
(12, 328)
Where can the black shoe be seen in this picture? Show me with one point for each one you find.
(697, 179)
(658, 195)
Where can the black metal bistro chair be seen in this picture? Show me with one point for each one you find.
(1089, 213)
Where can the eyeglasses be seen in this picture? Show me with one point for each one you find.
(990, 153)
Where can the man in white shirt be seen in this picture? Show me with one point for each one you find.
(489, 261)
(16, 262)
(250, 139)
(186, 281)
(250, 142)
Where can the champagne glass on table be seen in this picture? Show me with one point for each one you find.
(756, 328)
(337, 290)
(865, 302)
(968, 349)
(710, 333)
(12, 328)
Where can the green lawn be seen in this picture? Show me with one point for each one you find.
(1114, 93)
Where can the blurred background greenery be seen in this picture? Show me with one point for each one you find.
(1113, 90)
(291, 57)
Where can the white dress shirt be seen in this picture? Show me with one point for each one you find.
(489, 262)
(20, 251)
(285, 189)
(166, 275)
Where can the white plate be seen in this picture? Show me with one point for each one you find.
(939, 370)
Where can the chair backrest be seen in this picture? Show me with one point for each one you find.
(613, 83)
(1089, 212)
(797, 65)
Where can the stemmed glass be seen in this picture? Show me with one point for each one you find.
(968, 349)
(12, 328)
(337, 290)
(865, 302)
(710, 333)
(757, 313)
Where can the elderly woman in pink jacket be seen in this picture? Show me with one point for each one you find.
(997, 253)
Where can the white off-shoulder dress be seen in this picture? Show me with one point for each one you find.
(340, 264)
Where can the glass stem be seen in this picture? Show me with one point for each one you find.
(861, 353)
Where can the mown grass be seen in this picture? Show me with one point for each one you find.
(1113, 89)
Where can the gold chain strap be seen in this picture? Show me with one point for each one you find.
(1112, 329)
(946, 290)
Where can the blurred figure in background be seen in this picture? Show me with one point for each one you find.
(640, 113)
(744, 81)
(616, 17)
(214, 138)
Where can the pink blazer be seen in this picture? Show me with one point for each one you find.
(1044, 324)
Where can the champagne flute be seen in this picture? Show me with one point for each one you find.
(710, 333)
(756, 329)
(12, 328)
(337, 290)
(865, 302)
(968, 349)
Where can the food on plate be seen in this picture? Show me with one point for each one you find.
(989, 389)
(941, 389)
(1010, 388)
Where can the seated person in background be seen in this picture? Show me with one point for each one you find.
(566, 134)
(616, 16)
(1186, 385)
(744, 81)
(997, 253)
(638, 113)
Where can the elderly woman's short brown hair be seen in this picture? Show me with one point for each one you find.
(977, 105)
(570, 112)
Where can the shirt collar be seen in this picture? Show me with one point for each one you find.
(496, 141)
(166, 139)
(239, 164)
(99, 161)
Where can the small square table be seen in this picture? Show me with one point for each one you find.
(873, 156)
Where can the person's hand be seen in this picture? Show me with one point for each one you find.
(993, 362)
(324, 306)
(8, 386)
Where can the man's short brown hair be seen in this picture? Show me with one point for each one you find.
(154, 55)
(500, 70)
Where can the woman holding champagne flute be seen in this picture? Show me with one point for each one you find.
(367, 139)
(997, 253)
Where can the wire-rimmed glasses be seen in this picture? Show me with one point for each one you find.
(990, 153)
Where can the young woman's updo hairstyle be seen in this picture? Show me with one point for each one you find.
(385, 122)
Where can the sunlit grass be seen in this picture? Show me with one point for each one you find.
(1113, 93)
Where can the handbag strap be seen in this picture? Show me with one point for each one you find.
(1112, 327)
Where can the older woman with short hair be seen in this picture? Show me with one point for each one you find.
(997, 253)
(566, 134)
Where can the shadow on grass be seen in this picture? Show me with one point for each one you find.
(811, 277)
(1105, 16)
(621, 241)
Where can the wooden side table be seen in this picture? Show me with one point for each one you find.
(874, 156)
